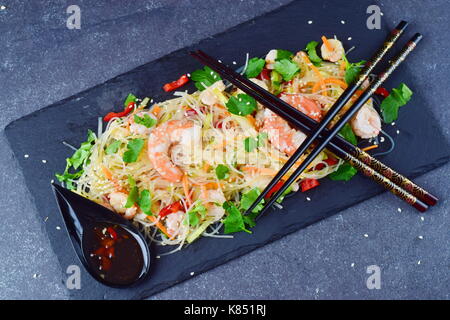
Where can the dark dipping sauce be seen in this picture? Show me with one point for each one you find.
(113, 253)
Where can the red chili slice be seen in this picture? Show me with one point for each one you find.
(171, 208)
(112, 233)
(382, 92)
(308, 184)
(264, 75)
(275, 188)
(176, 84)
(125, 112)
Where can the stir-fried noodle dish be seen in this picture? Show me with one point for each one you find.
(190, 166)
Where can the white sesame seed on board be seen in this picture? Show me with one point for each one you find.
(45, 219)
(44, 161)
(398, 131)
(422, 218)
(36, 275)
(158, 257)
(342, 21)
(382, 139)
(58, 228)
(310, 22)
(399, 209)
(189, 75)
(192, 273)
(393, 124)
(26, 156)
(234, 62)
(366, 235)
(352, 265)
(419, 262)
(420, 237)
(349, 38)
(308, 199)
(220, 61)
(2, 7)
(52, 181)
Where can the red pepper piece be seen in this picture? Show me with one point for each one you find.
(171, 208)
(176, 84)
(112, 233)
(125, 112)
(264, 75)
(308, 184)
(382, 92)
(275, 188)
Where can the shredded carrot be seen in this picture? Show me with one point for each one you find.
(186, 190)
(211, 185)
(252, 120)
(374, 146)
(203, 191)
(315, 70)
(342, 65)
(206, 166)
(327, 43)
(160, 226)
(156, 109)
(322, 83)
(110, 177)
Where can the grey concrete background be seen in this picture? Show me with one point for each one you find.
(41, 63)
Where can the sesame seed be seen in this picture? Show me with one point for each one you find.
(422, 218)
(398, 131)
(234, 62)
(381, 13)
(418, 262)
(45, 219)
(52, 181)
(36, 275)
(310, 22)
(352, 265)
(393, 124)
(44, 161)
(158, 257)
(382, 139)
(151, 101)
(26, 156)
(366, 235)
(192, 273)
(220, 61)
(420, 237)
(212, 72)
(349, 38)
(342, 21)
(399, 209)
(2, 7)
(308, 199)
(58, 228)
(189, 75)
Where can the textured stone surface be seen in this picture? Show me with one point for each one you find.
(42, 62)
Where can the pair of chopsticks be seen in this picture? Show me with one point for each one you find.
(391, 180)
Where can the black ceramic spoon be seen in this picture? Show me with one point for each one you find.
(112, 250)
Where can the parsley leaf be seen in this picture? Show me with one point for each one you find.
(193, 214)
(352, 71)
(283, 54)
(113, 147)
(347, 133)
(345, 172)
(312, 53)
(133, 196)
(286, 68)
(204, 78)
(145, 202)
(390, 105)
(134, 148)
(130, 98)
(241, 105)
(234, 222)
(146, 120)
(222, 172)
(254, 67)
(249, 197)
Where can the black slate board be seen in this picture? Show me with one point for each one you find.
(40, 135)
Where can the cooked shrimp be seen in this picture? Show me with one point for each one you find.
(175, 132)
(332, 50)
(213, 200)
(307, 106)
(174, 223)
(139, 128)
(366, 123)
(118, 200)
(209, 95)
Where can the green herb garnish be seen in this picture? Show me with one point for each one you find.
(352, 71)
(345, 172)
(134, 148)
(234, 222)
(222, 172)
(347, 133)
(204, 78)
(312, 53)
(145, 202)
(133, 196)
(146, 120)
(286, 68)
(254, 67)
(241, 105)
(399, 97)
(113, 147)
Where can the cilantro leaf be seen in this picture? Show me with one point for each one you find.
(286, 68)
(146, 120)
(398, 98)
(113, 147)
(347, 133)
(254, 67)
(133, 196)
(199, 210)
(345, 172)
(204, 78)
(234, 222)
(134, 148)
(250, 144)
(130, 98)
(283, 54)
(145, 202)
(352, 71)
(241, 105)
(222, 172)
(312, 53)
(249, 197)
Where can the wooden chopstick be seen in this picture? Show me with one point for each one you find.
(338, 126)
(338, 145)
